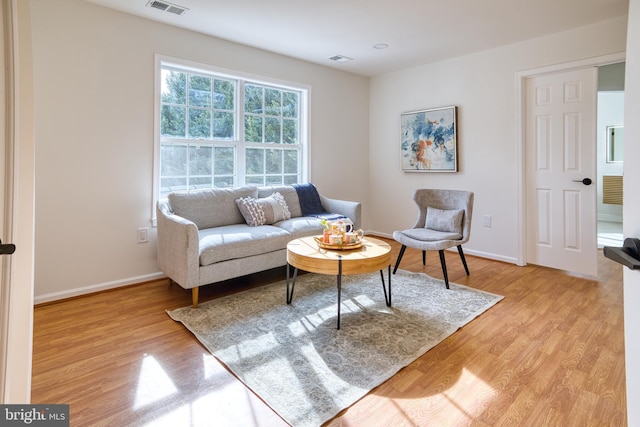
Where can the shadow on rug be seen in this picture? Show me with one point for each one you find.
(293, 357)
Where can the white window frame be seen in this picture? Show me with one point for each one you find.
(304, 119)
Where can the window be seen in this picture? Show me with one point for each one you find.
(217, 129)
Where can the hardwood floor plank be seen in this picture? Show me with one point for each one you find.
(550, 353)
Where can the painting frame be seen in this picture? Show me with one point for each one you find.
(429, 140)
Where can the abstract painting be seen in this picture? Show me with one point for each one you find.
(428, 141)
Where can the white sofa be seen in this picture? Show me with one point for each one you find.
(204, 238)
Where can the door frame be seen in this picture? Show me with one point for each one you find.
(521, 76)
(20, 200)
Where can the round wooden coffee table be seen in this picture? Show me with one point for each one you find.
(305, 254)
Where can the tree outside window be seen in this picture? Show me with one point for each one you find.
(220, 131)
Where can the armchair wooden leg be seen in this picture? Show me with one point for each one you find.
(464, 261)
(444, 268)
(194, 296)
(402, 249)
(424, 257)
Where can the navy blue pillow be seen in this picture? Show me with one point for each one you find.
(309, 199)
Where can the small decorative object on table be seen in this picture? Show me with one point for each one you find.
(339, 247)
(339, 234)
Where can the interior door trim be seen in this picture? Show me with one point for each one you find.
(521, 76)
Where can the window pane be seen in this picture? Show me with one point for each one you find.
(255, 180)
(223, 125)
(254, 161)
(174, 87)
(272, 130)
(274, 161)
(274, 180)
(173, 160)
(200, 182)
(272, 102)
(224, 161)
(253, 99)
(223, 94)
(199, 91)
(222, 182)
(200, 160)
(289, 131)
(290, 104)
(167, 185)
(290, 179)
(252, 128)
(291, 161)
(199, 123)
(172, 121)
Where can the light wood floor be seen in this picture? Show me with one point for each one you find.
(550, 354)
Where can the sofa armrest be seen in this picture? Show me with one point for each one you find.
(352, 210)
(178, 247)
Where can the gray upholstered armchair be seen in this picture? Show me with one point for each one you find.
(444, 221)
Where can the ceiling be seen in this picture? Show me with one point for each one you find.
(416, 31)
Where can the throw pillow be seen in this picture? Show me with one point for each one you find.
(449, 221)
(267, 210)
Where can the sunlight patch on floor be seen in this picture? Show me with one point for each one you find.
(457, 406)
(210, 410)
(153, 383)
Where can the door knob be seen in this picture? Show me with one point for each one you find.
(586, 181)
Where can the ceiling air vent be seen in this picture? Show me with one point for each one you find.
(167, 7)
(340, 58)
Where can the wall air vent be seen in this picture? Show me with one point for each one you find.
(167, 7)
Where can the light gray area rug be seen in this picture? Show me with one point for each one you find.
(295, 359)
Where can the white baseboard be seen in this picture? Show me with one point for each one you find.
(54, 296)
(609, 217)
(488, 255)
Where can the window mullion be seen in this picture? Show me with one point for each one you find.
(239, 137)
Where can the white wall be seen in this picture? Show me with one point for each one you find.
(631, 223)
(93, 76)
(483, 86)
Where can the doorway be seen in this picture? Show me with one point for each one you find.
(560, 146)
(525, 206)
(610, 144)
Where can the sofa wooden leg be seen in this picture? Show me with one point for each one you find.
(194, 296)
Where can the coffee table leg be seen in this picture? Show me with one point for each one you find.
(293, 284)
(339, 286)
(387, 299)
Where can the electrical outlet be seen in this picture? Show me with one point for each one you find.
(143, 235)
(486, 221)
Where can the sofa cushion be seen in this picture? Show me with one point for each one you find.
(302, 226)
(212, 207)
(427, 235)
(290, 196)
(267, 210)
(239, 241)
(448, 221)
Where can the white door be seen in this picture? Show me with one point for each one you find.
(560, 126)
